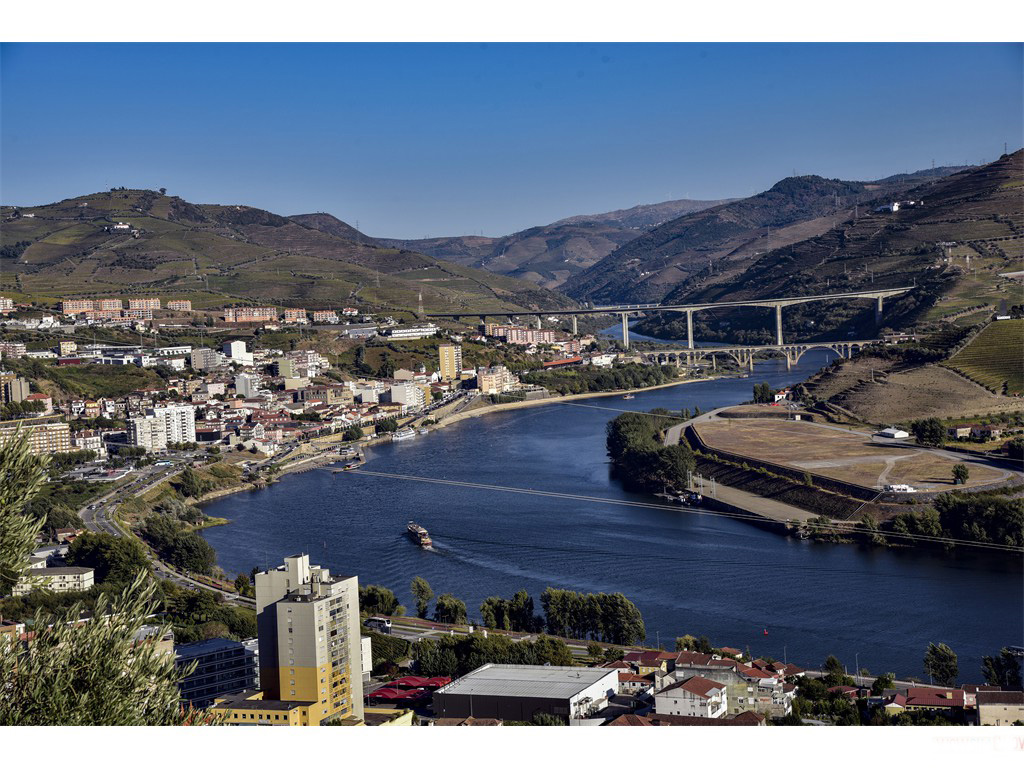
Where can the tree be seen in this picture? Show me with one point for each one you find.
(422, 594)
(941, 663)
(881, 684)
(115, 559)
(374, 599)
(192, 484)
(243, 585)
(763, 393)
(73, 672)
(354, 432)
(21, 477)
(386, 370)
(928, 431)
(449, 610)
(163, 190)
(960, 474)
(1002, 670)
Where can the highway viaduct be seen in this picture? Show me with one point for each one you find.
(625, 310)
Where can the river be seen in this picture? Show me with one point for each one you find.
(686, 572)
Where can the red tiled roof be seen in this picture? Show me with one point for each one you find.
(699, 686)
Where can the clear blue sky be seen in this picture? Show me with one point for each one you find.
(425, 140)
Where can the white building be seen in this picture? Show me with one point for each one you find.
(694, 697)
(894, 433)
(518, 692)
(237, 353)
(204, 358)
(161, 426)
(407, 393)
(66, 579)
(247, 385)
(412, 331)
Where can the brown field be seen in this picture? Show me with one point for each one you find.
(841, 454)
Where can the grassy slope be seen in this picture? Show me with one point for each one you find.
(217, 254)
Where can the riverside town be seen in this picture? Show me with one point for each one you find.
(748, 455)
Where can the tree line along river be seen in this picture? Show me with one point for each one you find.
(688, 573)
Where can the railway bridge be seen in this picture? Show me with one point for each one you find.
(744, 354)
(625, 311)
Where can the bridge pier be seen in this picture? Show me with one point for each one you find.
(878, 310)
(625, 330)
(575, 328)
(538, 323)
(778, 325)
(689, 328)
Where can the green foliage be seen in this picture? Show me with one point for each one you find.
(882, 683)
(422, 594)
(960, 474)
(92, 673)
(177, 545)
(20, 409)
(516, 614)
(450, 610)
(634, 442)
(115, 559)
(387, 650)
(386, 425)
(452, 656)
(62, 462)
(374, 599)
(1002, 670)
(191, 485)
(354, 432)
(610, 618)
(941, 663)
(988, 516)
(763, 393)
(928, 431)
(570, 381)
(21, 477)
(690, 643)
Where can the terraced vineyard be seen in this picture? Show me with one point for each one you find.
(995, 357)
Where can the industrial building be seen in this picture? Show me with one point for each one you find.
(518, 692)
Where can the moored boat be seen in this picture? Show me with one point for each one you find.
(404, 434)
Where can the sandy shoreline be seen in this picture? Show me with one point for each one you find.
(488, 409)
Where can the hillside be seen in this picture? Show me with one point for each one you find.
(217, 254)
(994, 358)
(549, 255)
(718, 243)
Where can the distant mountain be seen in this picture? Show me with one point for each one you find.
(549, 255)
(953, 247)
(216, 254)
(719, 242)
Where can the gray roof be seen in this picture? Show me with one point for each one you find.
(525, 681)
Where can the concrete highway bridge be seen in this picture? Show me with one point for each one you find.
(744, 354)
(626, 310)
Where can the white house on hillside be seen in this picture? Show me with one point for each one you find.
(694, 697)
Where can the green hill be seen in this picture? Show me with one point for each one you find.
(217, 254)
(974, 213)
(718, 243)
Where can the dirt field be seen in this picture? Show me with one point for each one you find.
(841, 454)
(921, 393)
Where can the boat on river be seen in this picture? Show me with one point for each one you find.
(629, 397)
(419, 534)
(403, 434)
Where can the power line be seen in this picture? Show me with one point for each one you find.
(649, 505)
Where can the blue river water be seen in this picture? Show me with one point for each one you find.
(686, 572)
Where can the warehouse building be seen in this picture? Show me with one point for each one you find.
(518, 692)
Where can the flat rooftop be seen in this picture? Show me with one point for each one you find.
(527, 681)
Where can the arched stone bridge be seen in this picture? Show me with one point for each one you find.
(744, 355)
